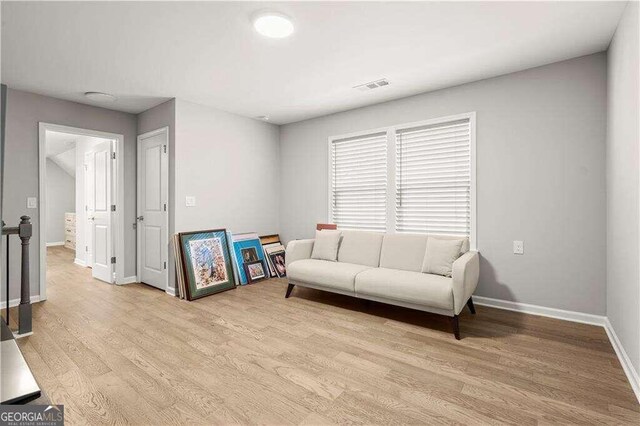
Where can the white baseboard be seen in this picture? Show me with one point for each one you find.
(627, 366)
(57, 243)
(541, 310)
(80, 262)
(15, 302)
(171, 291)
(130, 280)
(602, 321)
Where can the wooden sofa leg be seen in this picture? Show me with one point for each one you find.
(456, 327)
(289, 289)
(471, 307)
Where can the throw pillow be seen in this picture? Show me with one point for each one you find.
(326, 245)
(440, 255)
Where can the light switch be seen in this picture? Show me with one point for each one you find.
(32, 203)
(190, 201)
(518, 247)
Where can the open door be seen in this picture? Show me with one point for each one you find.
(101, 228)
(89, 208)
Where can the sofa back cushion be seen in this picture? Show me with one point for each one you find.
(361, 248)
(407, 251)
(403, 251)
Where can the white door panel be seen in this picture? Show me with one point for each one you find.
(101, 232)
(89, 208)
(152, 244)
(152, 213)
(152, 179)
(102, 249)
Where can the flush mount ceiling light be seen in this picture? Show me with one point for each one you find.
(273, 24)
(99, 96)
(263, 117)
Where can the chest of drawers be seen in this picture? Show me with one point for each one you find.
(70, 230)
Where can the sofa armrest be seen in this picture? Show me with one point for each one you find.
(466, 270)
(298, 249)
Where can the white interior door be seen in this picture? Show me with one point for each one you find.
(153, 194)
(89, 207)
(101, 230)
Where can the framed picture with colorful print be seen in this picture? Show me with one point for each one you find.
(207, 263)
(254, 271)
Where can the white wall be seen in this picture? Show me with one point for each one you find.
(231, 165)
(540, 177)
(228, 162)
(623, 185)
(61, 192)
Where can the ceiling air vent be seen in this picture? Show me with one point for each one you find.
(372, 85)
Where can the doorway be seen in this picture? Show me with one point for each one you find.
(152, 221)
(79, 195)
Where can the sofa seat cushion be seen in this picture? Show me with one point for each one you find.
(406, 286)
(325, 273)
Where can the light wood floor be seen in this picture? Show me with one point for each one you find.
(132, 354)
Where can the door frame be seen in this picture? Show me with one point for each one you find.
(117, 187)
(162, 130)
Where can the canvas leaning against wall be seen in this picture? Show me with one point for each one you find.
(206, 263)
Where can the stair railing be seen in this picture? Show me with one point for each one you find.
(24, 231)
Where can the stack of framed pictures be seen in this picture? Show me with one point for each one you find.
(212, 261)
(249, 258)
(274, 252)
(203, 263)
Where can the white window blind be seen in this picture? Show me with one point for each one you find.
(359, 182)
(433, 178)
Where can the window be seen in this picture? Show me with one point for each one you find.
(433, 179)
(414, 178)
(359, 182)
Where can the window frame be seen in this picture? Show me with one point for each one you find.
(391, 167)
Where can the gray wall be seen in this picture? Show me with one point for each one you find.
(623, 187)
(61, 199)
(540, 177)
(24, 111)
(230, 164)
(164, 115)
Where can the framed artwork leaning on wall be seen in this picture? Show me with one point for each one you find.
(254, 271)
(207, 263)
(277, 259)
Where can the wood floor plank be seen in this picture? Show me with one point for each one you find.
(134, 355)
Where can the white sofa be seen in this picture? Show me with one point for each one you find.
(387, 268)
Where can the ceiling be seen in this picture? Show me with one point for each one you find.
(61, 149)
(207, 52)
(58, 142)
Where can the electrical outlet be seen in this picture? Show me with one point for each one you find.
(518, 247)
(190, 201)
(32, 203)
